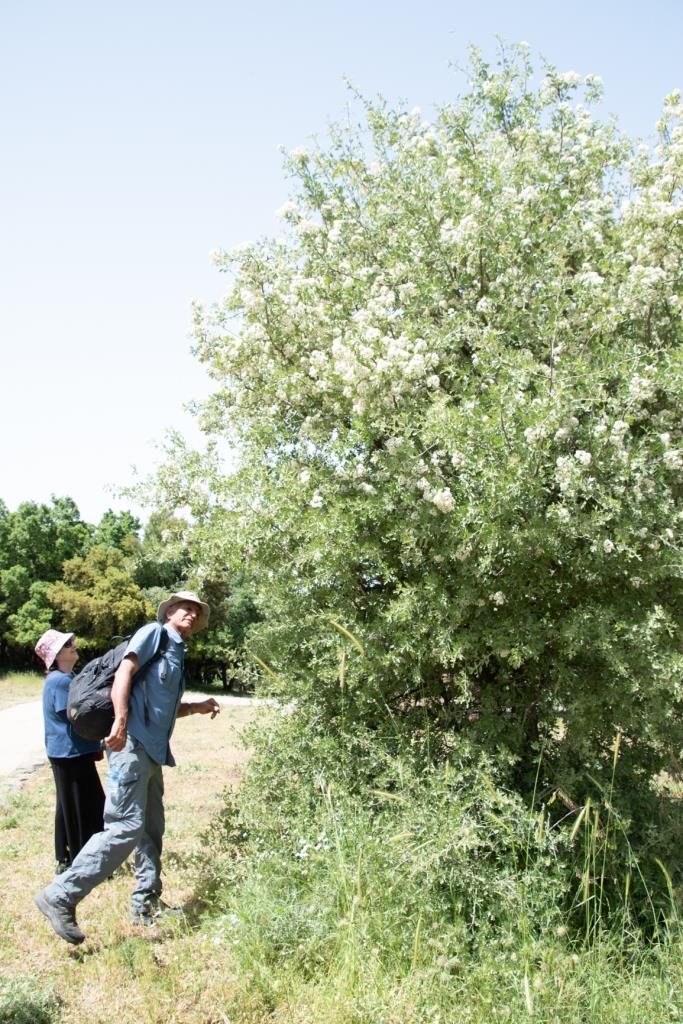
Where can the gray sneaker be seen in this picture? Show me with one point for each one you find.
(62, 917)
(155, 912)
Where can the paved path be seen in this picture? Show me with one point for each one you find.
(21, 745)
(22, 748)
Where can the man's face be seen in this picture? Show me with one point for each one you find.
(182, 616)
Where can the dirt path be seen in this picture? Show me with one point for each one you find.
(22, 748)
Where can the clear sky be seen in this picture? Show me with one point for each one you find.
(139, 136)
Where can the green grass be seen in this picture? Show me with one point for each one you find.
(24, 1002)
(18, 687)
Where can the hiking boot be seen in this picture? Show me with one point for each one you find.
(62, 917)
(155, 912)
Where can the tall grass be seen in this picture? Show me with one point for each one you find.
(359, 882)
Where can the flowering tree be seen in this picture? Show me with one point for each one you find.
(453, 385)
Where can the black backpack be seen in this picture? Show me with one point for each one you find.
(89, 707)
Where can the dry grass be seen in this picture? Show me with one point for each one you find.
(124, 973)
(18, 687)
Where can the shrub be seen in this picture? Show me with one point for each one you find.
(454, 385)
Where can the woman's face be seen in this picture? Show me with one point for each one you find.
(67, 657)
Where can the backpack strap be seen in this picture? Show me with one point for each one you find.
(159, 653)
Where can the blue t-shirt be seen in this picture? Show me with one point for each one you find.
(60, 738)
(164, 683)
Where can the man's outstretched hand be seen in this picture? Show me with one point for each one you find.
(210, 706)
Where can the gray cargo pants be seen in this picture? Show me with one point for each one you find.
(133, 820)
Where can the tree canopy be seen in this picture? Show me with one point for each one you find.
(454, 383)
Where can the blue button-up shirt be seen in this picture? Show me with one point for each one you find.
(60, 739)
(164, 685)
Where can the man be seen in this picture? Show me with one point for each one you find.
(137, 746)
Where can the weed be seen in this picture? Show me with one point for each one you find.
(22, 1001)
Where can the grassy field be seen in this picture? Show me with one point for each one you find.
(17, 687)
(122, 973)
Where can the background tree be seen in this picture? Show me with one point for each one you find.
(98, 598)
(42, 537)
(118, 530)
(218, 652)
(37, 543)
(35, 540)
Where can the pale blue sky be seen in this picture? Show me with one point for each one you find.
(137, 137)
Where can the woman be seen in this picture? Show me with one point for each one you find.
(80, 797)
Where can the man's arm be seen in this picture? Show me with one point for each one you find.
(120, 694)
(210, 706)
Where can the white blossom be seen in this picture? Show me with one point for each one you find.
(608, 546)
(498, 598)
(444, 500)
(583, 457)
(308, 227)
(286, 210)
(564, 467)
(590, 278)
(641, 388)
(534, 434)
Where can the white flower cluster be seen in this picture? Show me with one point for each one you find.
(590, 278)
(443, 499)
(532, 435)
(287, 211)
(641, 388)
(673, 458)
(461, 234)
(367, 362)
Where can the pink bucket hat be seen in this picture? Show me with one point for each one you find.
(50, 644)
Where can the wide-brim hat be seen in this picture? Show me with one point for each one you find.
(50, 644)
(202, 619)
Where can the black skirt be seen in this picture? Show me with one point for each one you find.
(80, 804)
